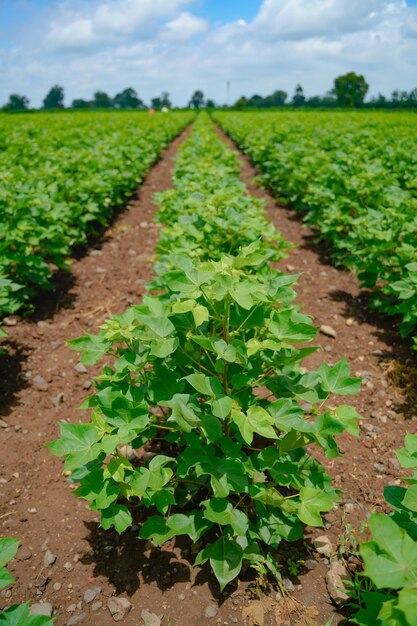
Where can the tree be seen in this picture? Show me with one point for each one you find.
(54, 99)
(17, 103)
(196, 100)
(165, 101)
(350, 90)
(241, 103)
(298, 99)
(80, 103)
(102, 100)
(210, 104)
(128, 99)
(156, 103)
(277, 99)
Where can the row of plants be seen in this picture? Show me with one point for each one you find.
(354, 177)
(199, 425)
(61, 178)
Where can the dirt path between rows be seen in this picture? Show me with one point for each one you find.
(43, 384)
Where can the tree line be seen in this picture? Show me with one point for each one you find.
(348, 91)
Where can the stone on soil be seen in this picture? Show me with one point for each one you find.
(91, 594)
(335, 578)
(118, 608)
(323, 545)
(76, 619)
(211, 611)
(24, 554)
(40, 382)
(328, 331)
(41, 608)
(151, 619)
(49, 558)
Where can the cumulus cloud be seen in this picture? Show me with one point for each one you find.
(158, 45)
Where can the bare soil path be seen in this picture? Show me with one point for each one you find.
(42, 384)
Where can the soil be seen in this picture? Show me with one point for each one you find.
(42, 384)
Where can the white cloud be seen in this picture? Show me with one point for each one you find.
(158, 45)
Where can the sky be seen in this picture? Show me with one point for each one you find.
(257, 46)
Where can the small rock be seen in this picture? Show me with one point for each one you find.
(24, 554)
(323, 545)
(80, 368)
(42, 608)
(41, 582)
(56, 400)
(334, 579)
(96, 253)
(181, 596)
(394, 463)
(100, 270)
(40, 383)
(3, 424)
(76, 619)
(211, 611)
(380, 467)
(42, 324)
(57, 586)
(118, 608)
(91, 594)
(288, 585)
(328, 331)
(49, 558)
(71, 608)
(33, 510)
(68, 566)
(350, 321)
(55, 344)
(96, 606)
(45, 545)
(17, 428)
(151, 619)
(290, 268)
(310, 564)
(9, 321)
(377, 352)
(349, 507)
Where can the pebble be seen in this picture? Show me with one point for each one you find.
(80, 368)
(334, 579)
(57, 586)
(41, 582)
(211, 611)
(91, 594)
(329, 331)
(100, 270)
(151, 619)
(33, 510)
(96, 253)
(71, 608)
(68, 566)
(349, 507)
(394, 463)
(310, 564)
(87, 384)
(9, 321)
(42, 608)
(377, 352)
(45, 544)
(181, 596)
(380, 467)
(323, 545)
(40, 382)
(49, 558)
(96, 606)
(42, 324)
(56, 400)
(76, 619)
(118, 608)
(288, 585)
(3, 424)
(350, 321)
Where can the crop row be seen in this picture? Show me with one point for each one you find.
(354, 176)
(60, 178)
(197, 425)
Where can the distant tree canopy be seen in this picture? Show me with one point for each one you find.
(128, 99)
(54, 99)
(350, 90)
(276, 99)
(80, 103)
(161, 101)
(197, 100)
(102, 100)
(298, 99)
(16, 103)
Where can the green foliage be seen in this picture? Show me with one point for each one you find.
(350, 89)
(60, 179)
(207, 380)
(390, 557)
(18, 614)
(354, 176)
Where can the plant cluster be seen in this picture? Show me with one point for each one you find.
(60, 179)
(354, 176)
(206, 385)
(17, 614)
(390, 557)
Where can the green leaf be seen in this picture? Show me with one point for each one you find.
(336, 379)
(226, 557)
(200, 314)
(349, 418)
(118, 516)
(92, 348)
(207, 385)
(407, 603)
(256, 420)
(220, 511)
(312, 503)
(391, 557)
(221, 407)
(8, 549)
(156, 529)
(78, 442)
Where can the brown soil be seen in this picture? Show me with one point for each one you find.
(37, 504)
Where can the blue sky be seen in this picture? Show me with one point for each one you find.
(182, 45)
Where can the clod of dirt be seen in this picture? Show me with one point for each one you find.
(151, 619)
(119, 607)
(335, 578)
